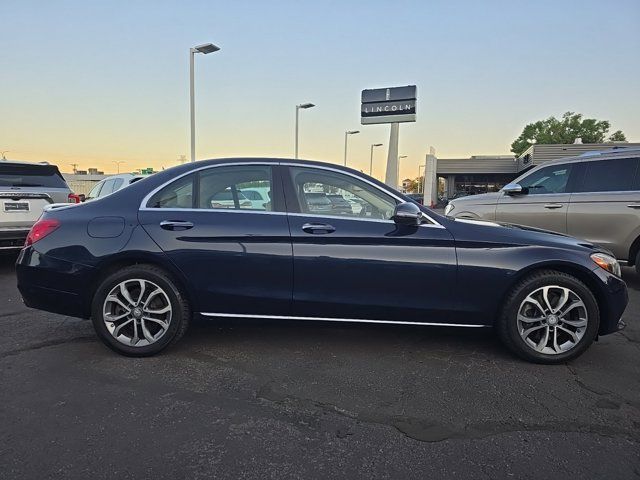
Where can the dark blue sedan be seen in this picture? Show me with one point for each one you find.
(186, 242)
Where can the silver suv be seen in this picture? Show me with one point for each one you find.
(25, 189)
(595, 196)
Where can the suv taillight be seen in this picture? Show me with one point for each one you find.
(73, 198)
(41, 229)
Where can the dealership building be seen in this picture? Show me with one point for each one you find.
(489, 173)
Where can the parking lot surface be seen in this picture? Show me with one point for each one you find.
(257, 399)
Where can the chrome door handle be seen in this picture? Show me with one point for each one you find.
(318, 228)
(552, 205)
(175, 225)
(634, 205)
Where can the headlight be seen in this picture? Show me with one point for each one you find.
(449, 208)
(609, 263)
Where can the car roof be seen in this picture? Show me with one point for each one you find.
(30, 164)
(616, 152)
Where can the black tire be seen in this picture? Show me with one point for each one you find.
(180, 310)
(638, 262)
(507, 325)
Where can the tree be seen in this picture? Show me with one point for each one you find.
(565, 130)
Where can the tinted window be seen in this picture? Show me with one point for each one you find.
(315, 189)
(95, 191)
(117, 184)
(552, 179)
(252, 194)
(107, 188)
(222, 187)
(178, 194)
(46, 176)
(610, 175)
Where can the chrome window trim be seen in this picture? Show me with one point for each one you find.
(360, 219)
(215, 210)
(147, 197)
(330, 319)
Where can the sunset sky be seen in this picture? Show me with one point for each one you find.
(92, 83)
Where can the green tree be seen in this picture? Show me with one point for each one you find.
(565, 130)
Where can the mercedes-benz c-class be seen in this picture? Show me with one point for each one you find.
(323, 242)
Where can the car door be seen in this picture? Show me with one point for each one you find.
(236, 258)
(543, 202)
(360, 264)
(605, 209)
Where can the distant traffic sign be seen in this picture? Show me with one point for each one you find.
(388, 105)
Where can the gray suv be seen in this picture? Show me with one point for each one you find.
(595, 196)
(25, 189)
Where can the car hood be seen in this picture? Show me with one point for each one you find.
(491, 197)
(521, 234)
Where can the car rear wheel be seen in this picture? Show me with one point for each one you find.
(139, 311)
(549, 317)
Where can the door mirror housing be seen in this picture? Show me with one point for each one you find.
(407, 213)
(513, 189)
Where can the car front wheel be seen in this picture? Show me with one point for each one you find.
(549, 317)
(138, 311)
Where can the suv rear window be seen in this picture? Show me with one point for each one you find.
(615, 175)
(46, 176)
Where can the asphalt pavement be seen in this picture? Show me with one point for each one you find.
(246, 399)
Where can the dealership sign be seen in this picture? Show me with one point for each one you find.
(388, 105)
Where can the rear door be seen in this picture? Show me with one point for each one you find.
(605, 209)
(544, 201)
(236, 257)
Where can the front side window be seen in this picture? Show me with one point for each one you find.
(552, 179)
(322, 192)
(117, 184)
(107, 188)
(616, 175)
(95, 191)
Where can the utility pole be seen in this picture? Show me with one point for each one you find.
(75, 167)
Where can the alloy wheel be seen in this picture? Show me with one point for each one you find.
(552, 319)
(137, 312)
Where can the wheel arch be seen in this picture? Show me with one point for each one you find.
(118, 262)
(583, 274)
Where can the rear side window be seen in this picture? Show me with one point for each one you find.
(224, 187)
(117, 184)
(45, 176)
(107, 188)
(616, 175)
(178, 194)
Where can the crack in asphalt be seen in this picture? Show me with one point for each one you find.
(49, 343)
(426, 430)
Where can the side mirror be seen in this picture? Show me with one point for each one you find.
(407, 213)
(82, 197)
(513, 189)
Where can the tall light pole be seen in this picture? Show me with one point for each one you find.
(371, 159)
(205, 48)
(118, 162)
(346, 134)
(304, 106)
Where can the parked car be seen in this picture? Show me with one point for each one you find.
(258, 196)
(339, 205)
(595, 196)
(112, 184)
(25, 189)
(318, 202)
(142, 262)
(417, 197)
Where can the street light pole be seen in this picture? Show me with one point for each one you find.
(371, 158)
(346, 134)
(206, 48)
(298, 107)
(421, 183)
(118, 162)
(398, 171)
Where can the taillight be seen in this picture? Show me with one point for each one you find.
(73, 198)
(41, 229)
